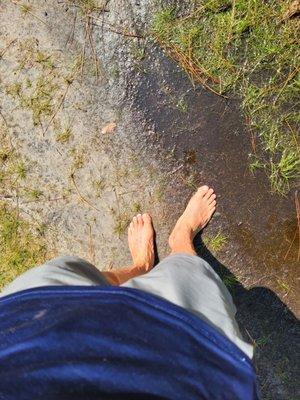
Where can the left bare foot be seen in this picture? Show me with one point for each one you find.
(141, 242)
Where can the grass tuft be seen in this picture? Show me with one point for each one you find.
(217, 242)
(64, 136)
(20, 246)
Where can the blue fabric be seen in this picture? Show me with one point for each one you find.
(114, 343)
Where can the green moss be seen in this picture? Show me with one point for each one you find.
(245, 48)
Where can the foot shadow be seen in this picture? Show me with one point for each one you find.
(268, 323)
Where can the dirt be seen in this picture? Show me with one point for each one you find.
(165, 137)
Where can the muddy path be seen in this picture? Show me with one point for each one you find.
(208, 138)
(129, 133)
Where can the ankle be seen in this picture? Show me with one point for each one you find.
(181, 239)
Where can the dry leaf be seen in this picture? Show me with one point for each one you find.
(109, 128)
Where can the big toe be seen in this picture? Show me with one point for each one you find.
(202, 190)
(147, 219)
(140, 221)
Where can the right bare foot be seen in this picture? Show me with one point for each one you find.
(195, 217)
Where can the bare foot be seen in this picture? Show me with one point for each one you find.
(141, 242)
(195, 217)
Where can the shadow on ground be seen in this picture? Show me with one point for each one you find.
(268, 323)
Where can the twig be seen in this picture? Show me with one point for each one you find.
(117, 200)
(27, 11)
(192, 70)
(298, 220)
(93, 48)
(57, 109)
(83, 51)
(253, 135)
(116, 30)
(176, 169)
(297, 230)
(264, 277)
(45, 200)
(290, 76)
(71, 34)
(92, 246)
(4, 119)
(192, 14)
(80, 195)
(3, 51)
(253, 340)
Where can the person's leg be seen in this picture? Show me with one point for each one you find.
(60, 271)
(141, 246)
(187, 280)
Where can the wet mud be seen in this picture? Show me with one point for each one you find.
(208, 137)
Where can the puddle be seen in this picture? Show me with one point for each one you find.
(206, 135)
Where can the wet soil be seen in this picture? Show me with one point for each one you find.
(208, 137)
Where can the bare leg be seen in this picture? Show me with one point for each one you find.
(141, 245)
(196, 215)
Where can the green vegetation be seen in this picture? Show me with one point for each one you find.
(217, 242)
(64, 136)
(249, 49)
(78, 158)
(87, 6)
(262, 341)
(182, 105)
(33, 194)
(230, 281)
(283, 285)
(122, 221)
(20, 246)
(137, 207)
(40, 94)
(99, 186)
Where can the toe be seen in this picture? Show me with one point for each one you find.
(212, 198)
(213, 203)
(208, 193)
(139, 220)
(202, 190)
(147, 218)
(134, 222)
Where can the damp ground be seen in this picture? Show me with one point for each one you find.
(98, 124)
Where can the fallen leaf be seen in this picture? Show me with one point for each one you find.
(109, 128)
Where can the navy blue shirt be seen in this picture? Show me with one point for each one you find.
(114, 343)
